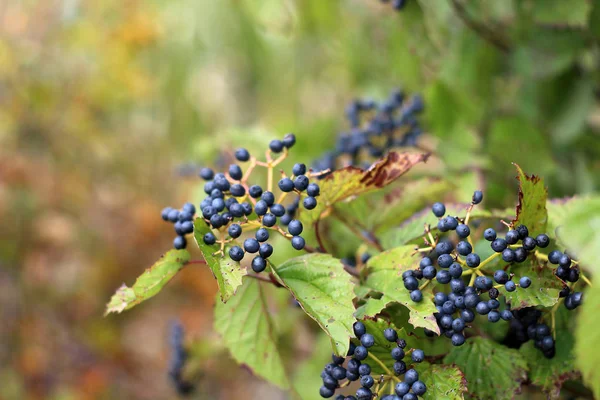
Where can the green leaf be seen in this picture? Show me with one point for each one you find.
(442, 381)
(227, 272)
(149, 283)
(559, 210)
(550, 374)
(392, 206)
(346, 183)
(325, 292)
(561, 13)
(385, 276)
(492, 370)
(581, 231)
(413, 228)
(587, 339)
(531, 208)
(544, 288)
(248, 332)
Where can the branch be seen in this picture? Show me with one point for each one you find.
(483, 31)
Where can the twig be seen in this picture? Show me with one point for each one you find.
(318, 235)
(483, 31)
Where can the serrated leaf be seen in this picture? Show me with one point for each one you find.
(413, 228)
(385, 276)
(550, 374)
(351, 181)
(248, 332)
(581, 231)
(531, 207)
(325, 292)
(559, 209)
(544, 288)
(587, 339)
(492, 371)
(442, 381)
(382, 348)
(392, 206)
(149, 283)
(227, 272)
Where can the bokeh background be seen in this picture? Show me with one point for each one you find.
(107, 108)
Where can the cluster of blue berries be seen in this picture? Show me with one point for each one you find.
(357, 369)
(232, 205)
(178, 359)
(567, 271)
(525, 326)
(374, 129)
(449, 264)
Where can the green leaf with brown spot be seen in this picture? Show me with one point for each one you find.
(325, 292)
(227, 272)
(385, 276)
(492, 371)
(531, 207)
(346, 183)
(544, 288)
(442, 381)
(248, 332)
(149, 283)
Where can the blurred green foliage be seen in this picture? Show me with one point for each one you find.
(101, 101)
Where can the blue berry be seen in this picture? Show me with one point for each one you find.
(542, 240)
(438, 210)
(265, 250)
(216, 221)
(411, 376)
(325, 392)
(360, 353)
(455, 270)
(301, 182)
(298, 242)
(499, 245)
(295, 227)
(464, 248)
(367, 340)
(234, 231)
(443, 277)
(262, 235)
(489, 234)
(501, 277)
(402, 388)
(242, 154)
(286, 185)
(364, 369)
(451, 222)
(463, 231)
(173, 215)
(289, 140)
(429, 272)
(458, 325)
(207, 174)
(276, 146)
(261, 208)
(299, 169)
(524, 282)
(529, 243)
(493, 316)
(512, 237)
(309, 203)
(367, 381)
(189, 208)
(411, 283)
(458, 339)
(268, 197)
(445, 260)
(444, 248)
(477, 197)
(508, 255)
(364, 394)
(416, 296)
(473, 260)
(277, 210)
(482, 308)
(313, 190)
(359, 329)
(251, 245)
(510, 286)
(397, 353)
(390, 335)
(522, 231)
(269, 220)
(209, 238)
(236, 253)
(235, 172)
(418, 388)
(493, 304)
(418, 355)
(255, 191)
(180, 242)
(554, 256)
(506, 315)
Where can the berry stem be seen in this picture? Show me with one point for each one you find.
(553, 317)
(423, 286)
(585, 279)
(382, 365)
(472, 280)
(318, 235)
(424, 249)
(270, 177)
(369, 239)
